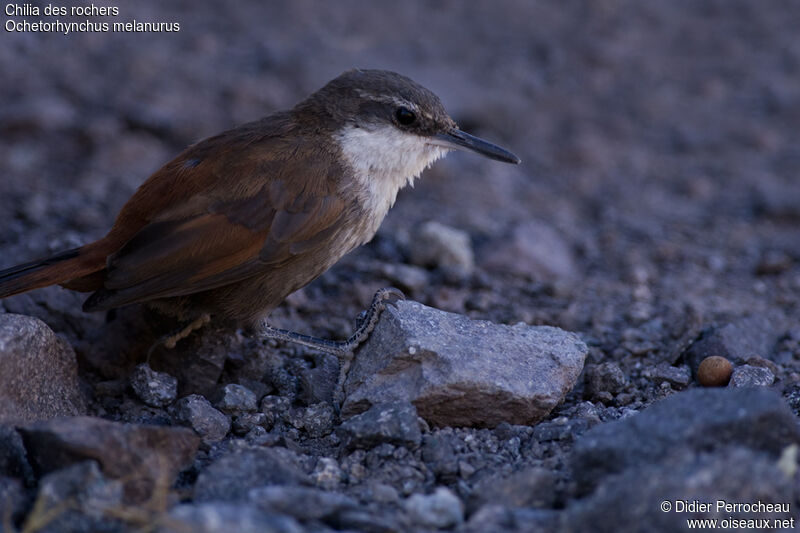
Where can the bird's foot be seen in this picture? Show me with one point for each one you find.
(170, 340)
(365, 323)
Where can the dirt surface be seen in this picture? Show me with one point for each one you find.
(657, 204)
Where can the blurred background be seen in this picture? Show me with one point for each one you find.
(659, 182)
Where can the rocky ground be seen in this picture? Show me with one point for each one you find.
(653, 223)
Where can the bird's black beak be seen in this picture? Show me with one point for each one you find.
(456, 139)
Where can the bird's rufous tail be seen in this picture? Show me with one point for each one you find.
(73, 268)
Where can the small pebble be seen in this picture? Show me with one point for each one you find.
(196, 412)
(245, 422)
(751, 376)
(235, 398)
(714, 371)
(439, 510)
(156, 389)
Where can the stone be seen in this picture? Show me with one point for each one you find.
(78, 498)
(561, 428)
(605, 378)
(677, 376)
(275, 407)
(751, 376)
(235, 398)
(437, 245)
(198, 413)
(530, 487)
(303, 503)
(327, 474)
(317, 384)
(12, 499)
(756, 360)
(317, 419)
(231, 477)
(439, 510)
(502, 519)
(246, 422)
(533, 250)
(636, 500)
(156, 389)
(393, 423)
(39, 380)
(696, 419)
(379, 520)
(223, 517)
(13, 458)
(405, 277)
(463, 372)
(738, 340)
(142, 457)
(714, 371)
(777, 198)
(438, 453)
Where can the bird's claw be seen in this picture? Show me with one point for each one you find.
(390, 296)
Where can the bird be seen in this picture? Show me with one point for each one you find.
(238, 221)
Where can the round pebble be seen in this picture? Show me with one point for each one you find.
(714, 371)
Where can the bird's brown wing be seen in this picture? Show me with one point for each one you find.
(266, 206)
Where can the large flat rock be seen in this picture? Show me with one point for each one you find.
(463, 372)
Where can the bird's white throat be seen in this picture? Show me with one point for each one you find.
(384, 160)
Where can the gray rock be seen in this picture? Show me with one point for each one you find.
(258, 436)
(12, 499)
(502, 519)
(327, 473)
(235, 398)
(198, 413)
(441, 246)
(605, 379)
(751, 376)
(697, 419)
(738, 340)
(303, 503)
(438, 453)
(13, 459)
(530, 487)
(376, 520)
(393, 423)
(462, 372)
(316, 420)
(317, 384)
(405, 277)
(156, 389)
(276, 408)
(39, 379)
(221, 517)
(777, 198)
(142, 457)
(632, 500)
(677, 376)
(79, 498)
(246, 422)
(439, 510)
(534, 250)
(231, 477)
(561, 428)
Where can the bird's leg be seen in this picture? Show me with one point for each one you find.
(365, 323)
(171, 339)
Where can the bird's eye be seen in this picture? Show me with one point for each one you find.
(405, 116)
